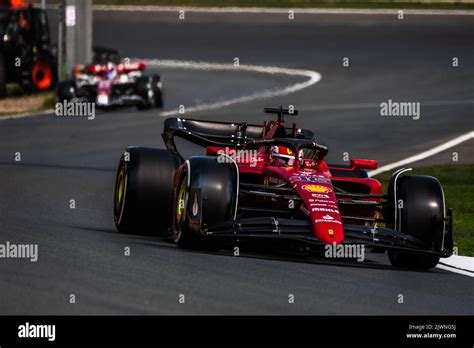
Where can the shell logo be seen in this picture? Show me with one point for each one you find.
(316, 188)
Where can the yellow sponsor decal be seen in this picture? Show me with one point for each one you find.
(316, 188)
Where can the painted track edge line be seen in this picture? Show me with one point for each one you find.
(313, 78)
(455, 270)
(456, 267)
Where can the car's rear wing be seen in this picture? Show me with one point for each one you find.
(221, 134)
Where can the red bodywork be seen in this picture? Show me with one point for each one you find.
(123, 68)
(312, 181)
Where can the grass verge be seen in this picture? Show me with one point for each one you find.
(458, 185)
(18, 103)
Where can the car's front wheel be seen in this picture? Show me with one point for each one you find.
(157, 91)
(148, 89)
(205, 195)
(421, 214)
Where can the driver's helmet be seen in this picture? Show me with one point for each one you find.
(111, 73)
(282, 155)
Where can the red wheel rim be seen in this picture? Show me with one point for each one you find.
(42, 75)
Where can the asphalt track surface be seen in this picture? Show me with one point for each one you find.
(80, 251)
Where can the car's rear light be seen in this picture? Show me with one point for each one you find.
(365, 164)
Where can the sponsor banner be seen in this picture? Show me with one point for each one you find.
(326, 205)
(312, 179)
(327, 218)
(312, 200)
(316, 188)
(320, 195)
(328, 221)
(327, 210)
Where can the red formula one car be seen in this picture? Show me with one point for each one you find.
(270, 184)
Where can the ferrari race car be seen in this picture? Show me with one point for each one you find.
(269, 184)
(113, 83)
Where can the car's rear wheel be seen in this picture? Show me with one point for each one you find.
(144, 91)
(148, 88)
(157, 91)
(422, 216)
(144, 191)
(206, 194)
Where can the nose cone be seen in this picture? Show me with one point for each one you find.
(321, 203)
(328, 228)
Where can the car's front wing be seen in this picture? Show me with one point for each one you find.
(300, 231)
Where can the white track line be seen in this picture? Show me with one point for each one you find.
(455, 270)
(458, 264)
(264, 10)
(440, 148)
(313, 77)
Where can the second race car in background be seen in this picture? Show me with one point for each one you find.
(110, 81)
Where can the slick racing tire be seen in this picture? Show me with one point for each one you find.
(144, 191)
(423, 217)
(206, 194)
(3, 77)
(143, 88)
(66, 90)
(147, 87)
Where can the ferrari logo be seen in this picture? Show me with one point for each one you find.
(316, 188)
(331, 233)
